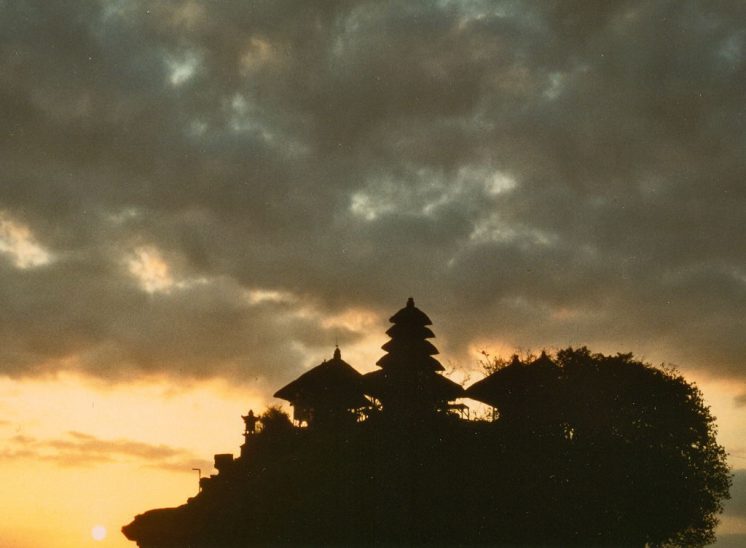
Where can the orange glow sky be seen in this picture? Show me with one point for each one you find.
(141, 442)
(198, 200)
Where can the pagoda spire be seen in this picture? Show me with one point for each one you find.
(409, 381)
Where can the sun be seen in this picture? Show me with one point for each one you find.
(98, 532)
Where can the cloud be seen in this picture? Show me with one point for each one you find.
(542, 175)
(736, 506)
(732, 540)
(81, 449)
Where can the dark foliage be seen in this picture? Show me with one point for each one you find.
(275, 421)
(589, 450)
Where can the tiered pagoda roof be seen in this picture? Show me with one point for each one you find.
(409, 377)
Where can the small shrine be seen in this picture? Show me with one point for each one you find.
(327, 394)
(518, 389)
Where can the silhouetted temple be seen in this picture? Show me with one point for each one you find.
(582, 450)
(409, 381)
(519, 389)
(327, 394)
(330, 399)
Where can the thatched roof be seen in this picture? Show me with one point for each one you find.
(381, 383)
(511, 383)
(410, 330)
(491, 389)
(410, 361)
(410, 345)
(410, 314)
(331, 383)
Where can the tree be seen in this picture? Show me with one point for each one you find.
(633, 457)
(656, 444)
(275, 421)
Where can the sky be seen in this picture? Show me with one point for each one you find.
(198, 200)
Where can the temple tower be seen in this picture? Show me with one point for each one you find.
(409, 382)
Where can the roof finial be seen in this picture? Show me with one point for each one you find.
(337, 353)
(410, 302)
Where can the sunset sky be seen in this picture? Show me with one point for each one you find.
(199, 199)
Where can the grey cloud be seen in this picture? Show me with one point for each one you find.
(111, 327)
(736, 506)
(734, 540)
(81, 449)
(342, 153)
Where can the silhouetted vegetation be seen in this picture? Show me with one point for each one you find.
(632, 454)
(585, 450)
(275, 421)
(590, 450)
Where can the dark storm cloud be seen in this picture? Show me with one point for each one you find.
(543, 173)
(102, 318)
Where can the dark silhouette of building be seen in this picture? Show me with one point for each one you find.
(329, 393)
(588, 450)
(250, 421)
(409, 382)
(520, 390)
